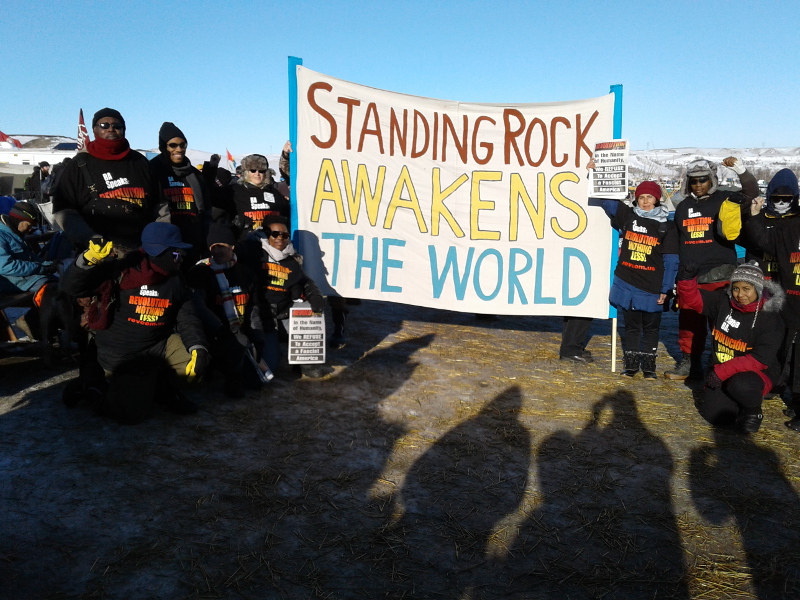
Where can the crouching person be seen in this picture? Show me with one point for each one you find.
(148, 337)
(746, 334)
(282, 281)
(225, 294)
(21, 270)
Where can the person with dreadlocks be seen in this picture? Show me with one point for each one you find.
(744, 357)
(776, 233)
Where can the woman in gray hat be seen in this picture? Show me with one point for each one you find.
(746, 337)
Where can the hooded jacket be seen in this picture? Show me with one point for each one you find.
(18, 264)
(704, 237)
(744, 338)
(777, 237)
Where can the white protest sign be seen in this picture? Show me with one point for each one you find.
(306, 335)
(469, 207)
(609, 178)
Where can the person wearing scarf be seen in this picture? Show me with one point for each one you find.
(646, 268)
(106, 192)
(182, 192)
(746, 326)
(147, 334)
(282, 281)
(225, 296)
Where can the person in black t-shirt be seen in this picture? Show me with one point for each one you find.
(645, 273)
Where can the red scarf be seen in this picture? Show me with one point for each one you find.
(145, 273)
(108, 149)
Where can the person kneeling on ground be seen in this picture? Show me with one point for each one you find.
(21, 270)
(225, 293)
(282, 282)
(746, 339)
(147, 334)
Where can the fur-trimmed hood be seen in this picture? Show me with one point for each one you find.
(699, 168)
(772, 298)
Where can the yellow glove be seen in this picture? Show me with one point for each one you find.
(98, 251)
(197, 365)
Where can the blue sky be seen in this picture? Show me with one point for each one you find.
(711, 74)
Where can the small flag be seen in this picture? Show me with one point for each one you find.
(12, 141)
(230, 158)
(83, 134)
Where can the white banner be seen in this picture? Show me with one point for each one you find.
(469, 207)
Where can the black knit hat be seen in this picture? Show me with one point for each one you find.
(24, 211)
(166, 133)
(220, 233)
(107, 112)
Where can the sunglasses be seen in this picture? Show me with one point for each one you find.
(279, 234)
(115, 126)
(262, 171)
(694, 180)
(177, 256)
(173, 145)
(775, 198)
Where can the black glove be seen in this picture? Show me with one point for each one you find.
(687, 270)
(317, 303)
(712, 380)
(48, 268)
(198, 364)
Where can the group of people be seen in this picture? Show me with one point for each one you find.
(175, 272)
(179, 270)
(753, 321)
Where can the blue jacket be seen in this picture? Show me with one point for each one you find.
(19, 266)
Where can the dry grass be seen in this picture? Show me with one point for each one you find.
(445, 458)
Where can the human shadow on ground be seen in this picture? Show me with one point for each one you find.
(605, 524)
(453, 497)
(266, 497)
(736, 481)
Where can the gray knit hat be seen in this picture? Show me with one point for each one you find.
(750, 273)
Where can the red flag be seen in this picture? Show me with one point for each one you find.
(13, 141)
(83, 134)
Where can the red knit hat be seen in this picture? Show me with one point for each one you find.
(648, 187)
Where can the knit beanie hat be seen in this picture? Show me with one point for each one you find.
(166, 133)
(750, 273)
(24, 211)
(255, 161)
(107, 112)
(649, 187)
(220, 233)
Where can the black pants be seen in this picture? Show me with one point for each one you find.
(641, 331)
(742, 392)
(573, 336)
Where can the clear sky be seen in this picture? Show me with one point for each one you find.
(707, 74)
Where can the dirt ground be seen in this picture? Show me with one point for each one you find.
(446, 457)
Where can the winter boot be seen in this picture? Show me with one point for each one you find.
(648, 361)
(749, 423)
(682, 369)
(630, 364)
